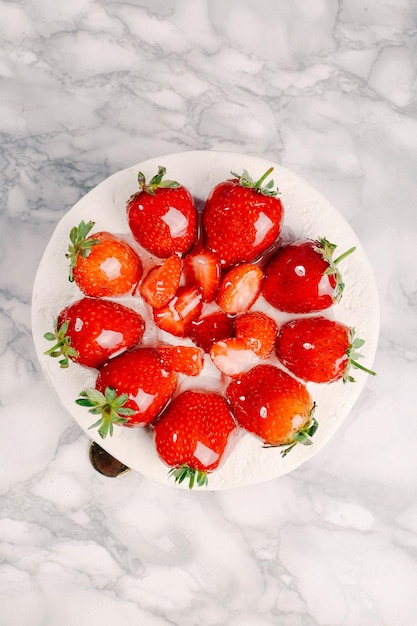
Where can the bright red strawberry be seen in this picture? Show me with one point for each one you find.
(162, 216)
(176, 316)
(318, 349)
(192, 435)
(232, 356)
(302, 277)
(101, 264)
(212, 327)
(91, 331)
(240, 288)
(203, 270)
(161, 283)
(137, 382)
(242, 218)
(181, 359)
(258, 331)
(274, 406)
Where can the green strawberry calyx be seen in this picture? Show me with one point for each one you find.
(353, 355)
(62, 344)
(246, 181)
(80, 244)
(326, 249)
(108, 405)
(156, 182)
(302, 436)
(184, 472)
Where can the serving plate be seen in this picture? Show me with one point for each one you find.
(307, 215)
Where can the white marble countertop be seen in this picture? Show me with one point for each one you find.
(327, 89)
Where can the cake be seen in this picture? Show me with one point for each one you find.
(307, 215)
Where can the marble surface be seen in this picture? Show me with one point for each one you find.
(328, 89)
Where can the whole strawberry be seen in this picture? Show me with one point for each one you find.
(274, 406)
(162, 216)
(302, 277)
(242, 218)
(319, 350)
(192, 435)
(91, 331)
(101, 264)
(138, 382)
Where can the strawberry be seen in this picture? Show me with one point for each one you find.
(240, 288)
(192, 435)
(91, 331)
(232, 356)
(318, 349)
(102, 265)
(203, 270)
(162, 216)
(181, 359)
(176, 316)
(161, 283)
(274, 406)
(242, 218)
(302, 277)
(212, 327)
(136, 381)
(258, 331)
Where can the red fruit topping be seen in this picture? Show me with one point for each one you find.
(232, 356)
(242, 218)
(102, 265)
(162, 216)
(319, 350)
(273, 406)
(203, 270)
(182, 359)
(161, 283)
(240, 288)
(210, 328)
(177, 315)
(91, 331)
(192, 434)
(141, 375)
(302, 277)
(258, 331)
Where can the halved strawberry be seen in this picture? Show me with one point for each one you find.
(101, 264)
(258, 331)
(203, 270)
(176, 316)
(209, 328)
(161, 283)
(240, 288)
(232, 356)
(182, 359)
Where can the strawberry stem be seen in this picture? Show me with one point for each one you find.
(246, 181)
(344, 255)
(156, 182)
(62, 346)
(184, 472)
(354, 344)
(109, 406)
(80, 244)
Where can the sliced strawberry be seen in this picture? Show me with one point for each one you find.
(205, 330)
(232, 356)
(203, 270)
(161, 283)
(182, 359)
(176, 316)
(258, 331)
(240, 288)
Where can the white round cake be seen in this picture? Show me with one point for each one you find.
(307, 215)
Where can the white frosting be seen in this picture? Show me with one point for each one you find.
(307, 214)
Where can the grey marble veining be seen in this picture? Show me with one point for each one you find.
(328, 89)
